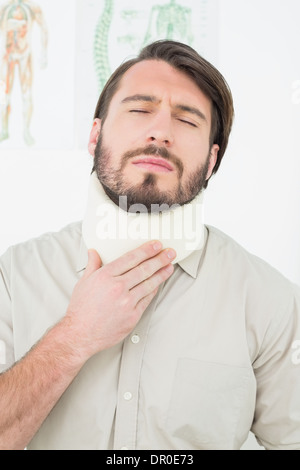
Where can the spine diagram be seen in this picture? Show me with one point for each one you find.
(102, 66)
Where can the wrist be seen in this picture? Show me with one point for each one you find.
(62, 345)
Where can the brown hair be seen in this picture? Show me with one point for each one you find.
(205, 75)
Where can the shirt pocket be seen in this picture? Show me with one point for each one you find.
(212, 405)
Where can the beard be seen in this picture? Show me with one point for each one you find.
(147, 193)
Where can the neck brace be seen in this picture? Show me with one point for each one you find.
(112, 231)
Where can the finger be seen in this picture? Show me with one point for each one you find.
(134, 258)
(145, 289)
(94, 263)
(147, 269)
(145, 302)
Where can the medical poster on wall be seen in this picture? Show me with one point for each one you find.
(55, 57)
(37, 68)
(111, 31)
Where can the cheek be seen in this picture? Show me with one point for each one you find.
(124, 138)
(112, 147)
(193, 153)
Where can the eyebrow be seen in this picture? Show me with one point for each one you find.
(149, 98)
(154, 99)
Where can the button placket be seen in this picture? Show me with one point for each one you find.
(129, 380)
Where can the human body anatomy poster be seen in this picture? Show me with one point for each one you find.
(111, 31)
(55, 57)
(37, 73)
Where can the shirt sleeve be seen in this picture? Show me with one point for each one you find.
(6, 328)
(277, 416)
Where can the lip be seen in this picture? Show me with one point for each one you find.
(153, 164)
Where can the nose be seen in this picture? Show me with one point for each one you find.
(160, 130)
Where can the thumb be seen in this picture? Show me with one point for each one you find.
(94, 263)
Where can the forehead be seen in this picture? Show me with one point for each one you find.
(158, 78)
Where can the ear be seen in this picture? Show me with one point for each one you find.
(94, 136)
(212, 160)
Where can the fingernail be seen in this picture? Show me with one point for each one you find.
(157, 246)
(171, 254)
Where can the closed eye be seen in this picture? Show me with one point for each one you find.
(138, 111)
(187, 122)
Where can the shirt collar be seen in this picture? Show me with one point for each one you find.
(190, 265)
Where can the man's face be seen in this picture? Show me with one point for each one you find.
(154, 144)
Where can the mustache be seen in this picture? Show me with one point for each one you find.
(155, 151)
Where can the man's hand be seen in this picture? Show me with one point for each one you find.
(108, 301)
(105, 306)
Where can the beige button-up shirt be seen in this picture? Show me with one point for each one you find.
(217, 352)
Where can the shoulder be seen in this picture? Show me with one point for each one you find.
(238, 258)
(50, 246)
(67, 233)
(248, 272)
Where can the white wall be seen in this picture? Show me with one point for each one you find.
(255, 197)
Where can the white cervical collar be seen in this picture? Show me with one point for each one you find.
(112, 231)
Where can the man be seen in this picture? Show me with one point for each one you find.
(148, 349)
(17, 18)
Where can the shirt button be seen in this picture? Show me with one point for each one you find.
(127, 396)
(135, 339)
